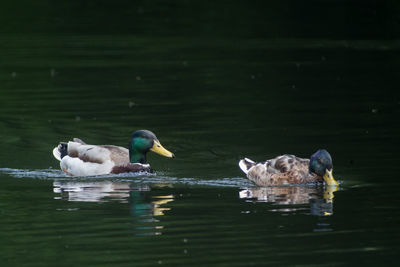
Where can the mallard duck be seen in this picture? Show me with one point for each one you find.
(80, 159)
(289, 169)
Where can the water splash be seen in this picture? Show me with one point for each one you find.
(26, 173)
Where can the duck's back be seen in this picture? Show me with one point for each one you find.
(285, 169)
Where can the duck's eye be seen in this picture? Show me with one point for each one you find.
(143, 137)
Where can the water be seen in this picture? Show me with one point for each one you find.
(213, 93)
(165, 220)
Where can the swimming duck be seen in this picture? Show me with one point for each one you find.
(80, 159)
(289, 169)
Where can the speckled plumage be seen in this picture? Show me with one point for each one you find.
(285, 169)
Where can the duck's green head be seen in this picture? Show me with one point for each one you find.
(143, 141)
(321, 164)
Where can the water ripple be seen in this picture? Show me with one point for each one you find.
(140, 178)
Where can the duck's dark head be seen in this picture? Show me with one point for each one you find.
(321, 164)
(143, 141)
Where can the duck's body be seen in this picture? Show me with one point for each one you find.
(285, 169)
(80, 159)
(289, 169)
(86, 160)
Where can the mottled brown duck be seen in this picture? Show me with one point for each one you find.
(289, 169)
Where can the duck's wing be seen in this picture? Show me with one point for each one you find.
(285, 169)
(92, 153)
(119, 155)
(286, 163)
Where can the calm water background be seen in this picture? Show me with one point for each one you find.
(215, 82)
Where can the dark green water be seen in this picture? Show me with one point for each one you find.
(215, 83)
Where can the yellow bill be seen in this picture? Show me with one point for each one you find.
(328, 178)
(159, 149)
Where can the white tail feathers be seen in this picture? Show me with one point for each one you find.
(57, 153)
(246, 164)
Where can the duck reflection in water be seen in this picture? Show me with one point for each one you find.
(143, 205)
(320, 199)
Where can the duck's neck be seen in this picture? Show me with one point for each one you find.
(137, 157)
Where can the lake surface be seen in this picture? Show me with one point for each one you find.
(212, 99)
